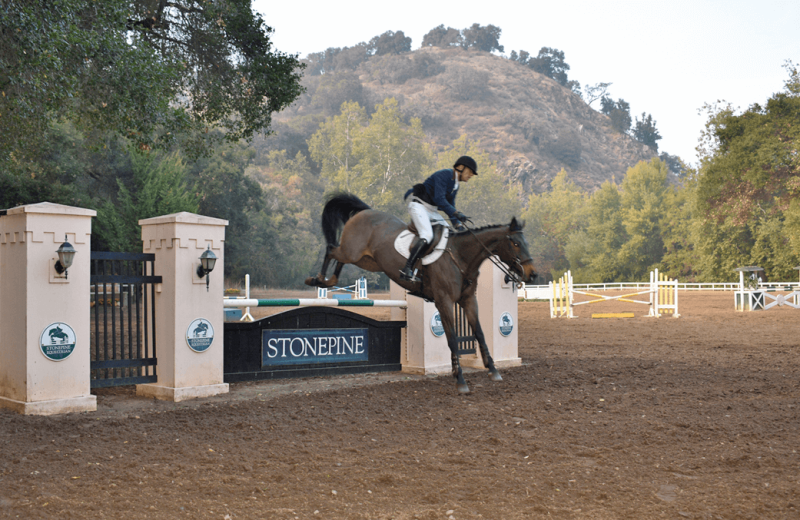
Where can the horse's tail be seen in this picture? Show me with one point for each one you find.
(339, 208)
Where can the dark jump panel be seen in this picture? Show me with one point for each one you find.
(310, 341)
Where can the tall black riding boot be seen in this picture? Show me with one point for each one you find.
(407, 273)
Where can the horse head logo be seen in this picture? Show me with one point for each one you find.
(58, 333)
(506, 320)
(201, 329)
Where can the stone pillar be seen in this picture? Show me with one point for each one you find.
(187, 315)
(399, 314)
(44, 317)
(497, 312)
(423, 351)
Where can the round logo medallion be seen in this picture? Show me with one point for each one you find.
(199, 335)
(506, 324)
(57, 341)
(436, 325)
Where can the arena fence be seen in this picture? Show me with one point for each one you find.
(754, 295)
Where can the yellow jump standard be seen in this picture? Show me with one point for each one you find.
(661, 293)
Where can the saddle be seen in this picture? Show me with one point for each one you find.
(432, 252)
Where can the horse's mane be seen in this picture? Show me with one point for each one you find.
(474, 230)
(514, 226)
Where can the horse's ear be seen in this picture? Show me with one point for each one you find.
(515, 225)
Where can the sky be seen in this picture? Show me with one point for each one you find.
(666, 58)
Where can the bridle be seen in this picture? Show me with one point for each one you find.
(511, 275)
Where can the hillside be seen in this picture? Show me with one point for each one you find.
(531, 125)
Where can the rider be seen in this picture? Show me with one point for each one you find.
(438, 192)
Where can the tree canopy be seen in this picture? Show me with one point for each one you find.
(442, 37)
(155, 72)
(645, 131)
(748, 190)
(480, 37)
(619, 111)
(551, 63)
(390, 42)
(377, 158)
(335, 59)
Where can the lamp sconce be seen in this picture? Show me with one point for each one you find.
(207, 261)
(66, 254)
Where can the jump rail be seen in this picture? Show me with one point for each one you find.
(542, 292)
(310, 302)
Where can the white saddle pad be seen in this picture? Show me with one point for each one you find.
(403, 245)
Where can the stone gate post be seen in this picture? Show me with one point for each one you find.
(497, 311)
(44, 316)
(189, 317)
(424, 346)
(423, 349)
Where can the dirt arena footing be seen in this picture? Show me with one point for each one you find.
(695, 417)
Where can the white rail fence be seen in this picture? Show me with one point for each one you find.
(543, 292)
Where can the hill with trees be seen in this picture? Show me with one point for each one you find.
(138, 114)
(528, 122)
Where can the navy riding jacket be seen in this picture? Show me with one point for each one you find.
(439, 190)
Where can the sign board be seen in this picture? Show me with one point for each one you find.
(506, 324)
(57, 341)
(302, 347)
(200, 335)
(436, 325)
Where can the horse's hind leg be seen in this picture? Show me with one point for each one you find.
(448, 323)
(470, 306)
(333, 280)
(320, 280)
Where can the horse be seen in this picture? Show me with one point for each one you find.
(58, 333)
(367, 241)
(201, 329)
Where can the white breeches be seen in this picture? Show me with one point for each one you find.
(423, 218)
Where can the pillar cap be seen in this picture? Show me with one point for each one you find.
(749, 269)
(184, 217)
(50, 209)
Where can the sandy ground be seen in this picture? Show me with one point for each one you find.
(695, 417)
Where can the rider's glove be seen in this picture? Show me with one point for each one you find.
(461, 217)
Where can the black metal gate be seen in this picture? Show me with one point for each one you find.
(465, 339)
(123, 349)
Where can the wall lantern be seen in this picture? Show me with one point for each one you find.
(207, 261)
(66, 253)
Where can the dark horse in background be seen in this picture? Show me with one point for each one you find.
(367, 240)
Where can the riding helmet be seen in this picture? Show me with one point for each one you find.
(469, 162)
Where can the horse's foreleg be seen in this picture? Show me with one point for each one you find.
(448, 323)
(470, 306)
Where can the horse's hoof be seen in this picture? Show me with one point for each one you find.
(312, 281)
(495, 376)
(463, 388)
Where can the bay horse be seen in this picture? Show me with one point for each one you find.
(367, 241)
